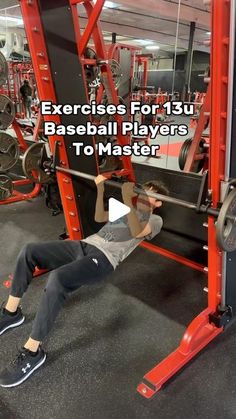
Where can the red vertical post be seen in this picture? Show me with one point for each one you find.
(200, 331)
(218, 121)
(41, 65)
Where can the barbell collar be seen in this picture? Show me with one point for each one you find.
(215, 213)
(210, 211)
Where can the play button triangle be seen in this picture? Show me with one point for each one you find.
(116, 209)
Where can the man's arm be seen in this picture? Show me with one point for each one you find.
(137, 228)
(101, 216)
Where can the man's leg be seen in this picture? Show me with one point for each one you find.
(24, 107)
(93, 267)
(48, 255)
(29, 103)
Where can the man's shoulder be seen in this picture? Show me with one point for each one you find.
(156, 218)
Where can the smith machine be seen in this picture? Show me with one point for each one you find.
(59, 51)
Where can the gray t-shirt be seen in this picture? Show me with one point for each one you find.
(115, 240)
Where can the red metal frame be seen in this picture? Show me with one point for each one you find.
(34, 31)
(17, 195)
(113, 52)
(193, 154)
(20, 138)
(218, 117)
(173, 256)
(93, 30)
(142, 61)
(38, 127)
(17, 72)
(200, 332)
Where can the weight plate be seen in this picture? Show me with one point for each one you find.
(116, 73)
(32, 163)
(90, 54)
(9, 151)
(198, 164)
(91, 71)
(109, 164)
(7, 112)
(183, 153)
(6, 187)
(225, 228)
(91, 74)
(3, 69)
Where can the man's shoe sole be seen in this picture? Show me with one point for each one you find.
(11, 326)
(27, 375)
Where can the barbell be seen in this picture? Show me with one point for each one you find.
(137, 189)
(225, 216)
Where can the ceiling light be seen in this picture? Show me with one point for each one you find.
(143, 41)
(110, 4)
(152, 47)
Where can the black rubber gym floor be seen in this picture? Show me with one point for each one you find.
(107, 337)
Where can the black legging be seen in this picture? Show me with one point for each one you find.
(73, 264)
(27, 104)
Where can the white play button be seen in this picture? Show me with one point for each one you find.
(116, 209)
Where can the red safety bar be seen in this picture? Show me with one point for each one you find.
(170, 255)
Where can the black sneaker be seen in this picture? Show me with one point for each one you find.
(8, 322)
(22, 367)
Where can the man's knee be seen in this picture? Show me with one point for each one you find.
(54, 286)
(26, 251)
